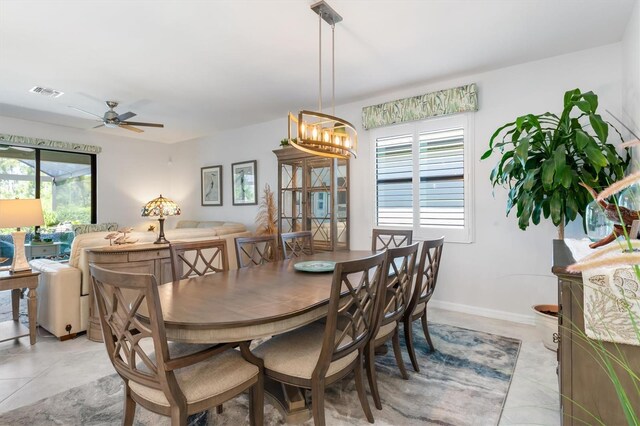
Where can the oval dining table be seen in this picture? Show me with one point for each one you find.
(248, 304)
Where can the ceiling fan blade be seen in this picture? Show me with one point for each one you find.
(136, 123)
(86, 112)
(126, 116)
(133, 129)
(99, 125)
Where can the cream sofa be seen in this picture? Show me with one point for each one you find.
(63, 289)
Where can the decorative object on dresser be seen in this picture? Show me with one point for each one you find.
(16, 214)
(15, 282)
(116, 238)
(390, 238)
(427, 278)
(313, 131)
(313, 195)
(211, 186)
(267, 217)
(244, 181)
(172, 380)
(397, 290)
(160, 207)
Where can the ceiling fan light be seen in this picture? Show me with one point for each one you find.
(110, 125)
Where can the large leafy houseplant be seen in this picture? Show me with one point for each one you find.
(543, 159)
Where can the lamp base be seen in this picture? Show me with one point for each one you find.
(19, 263)
(161, 239)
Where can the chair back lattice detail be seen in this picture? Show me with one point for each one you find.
(123, 331)
(427, 271)
(390, 238)
(354, 306)
(198, 258)
(295, 244)
(256, 251)
(400, 268)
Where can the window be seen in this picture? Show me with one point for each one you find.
(422, 178)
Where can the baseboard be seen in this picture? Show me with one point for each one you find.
(483, 312)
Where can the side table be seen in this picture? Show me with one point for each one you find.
(12, 329)
(33, 251)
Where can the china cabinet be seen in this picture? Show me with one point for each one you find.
(313, 195)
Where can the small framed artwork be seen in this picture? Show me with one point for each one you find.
(211, 185)
(244, 182)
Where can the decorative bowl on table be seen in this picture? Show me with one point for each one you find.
(315, 266)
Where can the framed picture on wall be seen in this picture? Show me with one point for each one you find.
(211, 185)
(244, 182)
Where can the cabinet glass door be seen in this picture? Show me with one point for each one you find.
(291, 197)
(342, 200)
(319, 203)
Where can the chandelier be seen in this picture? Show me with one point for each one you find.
(314, 131)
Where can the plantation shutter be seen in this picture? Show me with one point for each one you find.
(394, 181)
(442, 178)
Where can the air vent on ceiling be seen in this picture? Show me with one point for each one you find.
(45, 91)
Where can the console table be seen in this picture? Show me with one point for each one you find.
(12, 329)
(585, 388)
(150, 258)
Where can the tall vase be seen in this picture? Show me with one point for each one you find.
(598, 226)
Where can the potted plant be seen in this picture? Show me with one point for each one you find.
(543, 160)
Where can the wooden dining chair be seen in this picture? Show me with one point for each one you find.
(295, 244)
(427, 277)
(256, 251)
(176, 380)
(193, 258)
(390, 238)
(401, 262)
(319, 354)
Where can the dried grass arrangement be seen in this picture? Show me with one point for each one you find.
(267, 213)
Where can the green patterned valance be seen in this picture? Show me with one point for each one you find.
(443, 102)
(47, 143)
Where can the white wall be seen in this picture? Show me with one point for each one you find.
(505, 270)
(631, 76)
(130, 171)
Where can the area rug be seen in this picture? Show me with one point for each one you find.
(464, 382)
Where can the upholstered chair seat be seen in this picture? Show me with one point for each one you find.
(386, 330)
(203, 380)
(420, 307)
(296, 353)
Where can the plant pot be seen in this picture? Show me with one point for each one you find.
(547, 325)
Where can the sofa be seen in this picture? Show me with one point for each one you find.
(64, 288)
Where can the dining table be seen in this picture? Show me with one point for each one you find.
(249, 304)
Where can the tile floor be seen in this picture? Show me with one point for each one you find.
(30, 373)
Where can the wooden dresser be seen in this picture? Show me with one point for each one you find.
(141, 258)
(585, 388)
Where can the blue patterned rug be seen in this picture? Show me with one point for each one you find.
(464, 382)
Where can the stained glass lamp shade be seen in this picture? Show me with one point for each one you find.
(160, 207)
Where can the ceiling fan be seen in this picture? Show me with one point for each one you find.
(112, 119)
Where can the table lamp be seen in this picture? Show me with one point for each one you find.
(17, 214)
(160, 207)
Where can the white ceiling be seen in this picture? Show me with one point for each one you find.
(203, 66)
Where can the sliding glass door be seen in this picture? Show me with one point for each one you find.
(64, 181)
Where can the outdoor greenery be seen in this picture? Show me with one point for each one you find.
(545, 157)
(72, 196)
